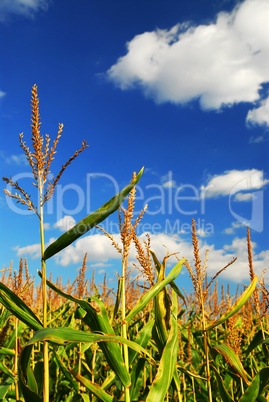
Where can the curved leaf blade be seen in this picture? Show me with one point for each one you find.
(264, 379)
(26, 378)
(98, 321)
(142, 339)
(4, 387)
(90, 221)
(17, 307)
(252, 392)
(237, 305)
(225, 396)
(154, 291)
(233, 360)
(65, 335)
(168, 360)
(94, 388)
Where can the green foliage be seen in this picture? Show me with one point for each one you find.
(156, 372)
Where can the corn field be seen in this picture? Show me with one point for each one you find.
(147, 340)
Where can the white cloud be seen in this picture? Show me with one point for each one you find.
(243, 196)
(19, 160)
(201, 232)
(100, 252)
(2, 94)
(235, 225)
(169, 184)
(66, 223)
(26, 8)
(259, 115)
(221, 64)
(257, 140)
(100, 264)
(167, 180)
(34, 250)
(97, 246)
(233, 181)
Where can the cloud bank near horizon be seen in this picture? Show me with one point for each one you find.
(102, 252)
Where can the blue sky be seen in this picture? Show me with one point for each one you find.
(179, 87)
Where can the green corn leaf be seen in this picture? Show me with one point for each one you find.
(94, 388)
(233, 360)
(4, 369)
(257, 340)
(110, 379)
(137, 372)
(161, 305)
(264, 379)
(154, 291)
(168, 360)
(118, 298)
(190, 373)
(4, 387)
(62, 336)
(90, 221)
(10, 342)
(142, 339)
(98, 321)
(237, 305)
(26, 377)
(6, 351)
(262, 399)
(252, 392)
(172, 283)
(225, 396)
(66, 372)
(16, 306)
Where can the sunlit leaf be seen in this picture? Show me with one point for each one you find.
(16, 306)
(237, 305)
(90, 221)
(233, 360)
(145, 299)
(167, 365)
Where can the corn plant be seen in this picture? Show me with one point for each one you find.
(40, 160)
(145, 341)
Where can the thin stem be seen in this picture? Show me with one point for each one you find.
(193, 389)
(242, 386)
(16, 361)
(205, 344)
(124, 325)
(79, 358)
(44, 294)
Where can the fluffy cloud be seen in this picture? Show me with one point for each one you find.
(21, 7)
(2, 94)
(19, 160)
(221, 64)
(34, 250)
(243, 196)
(233, 181)
(66, 223)
(235, 225)
(169, 184)
(259, 115)
(97, 246)
(101, 253)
